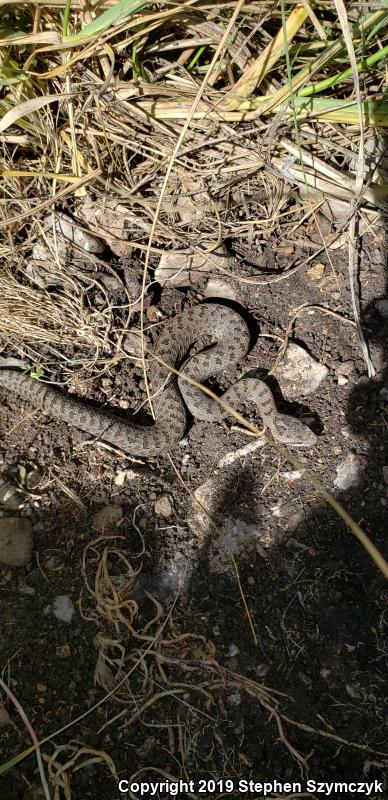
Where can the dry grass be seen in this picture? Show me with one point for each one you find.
(97, 115)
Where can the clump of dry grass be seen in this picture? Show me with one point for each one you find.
(93, 106)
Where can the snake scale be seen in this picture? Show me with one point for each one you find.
(203, 325)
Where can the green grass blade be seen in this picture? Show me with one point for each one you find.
(15, 760)
(321, 86)
(118, 12)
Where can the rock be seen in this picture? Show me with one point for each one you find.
(233, 651)
(108, 518)
(382, 307)
(132, 343)
(187, 269)
(228, 537)
(343, 372)
(223, 288)
(10, 362)
(348, 472)
(163, 506)
(298, 373)
(72, 230)
(16, 541)
(316, 271)
(168, 579)
(234, 699)
(63, 608)
(33, 479)
(11, 498)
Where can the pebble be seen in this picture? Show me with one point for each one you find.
(187, 269)
(74, 232)
(316, 271)
(235, 698)
(11, 498)
(33, 479)
(222, 288)
(16, 541)
(109, 517)
(298, 373)
(230, 536)
(348, 472)
(63, 608)
(233, 650)
(163, 506)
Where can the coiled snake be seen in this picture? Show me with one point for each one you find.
(211, 324)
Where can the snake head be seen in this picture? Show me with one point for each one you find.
(291, 431)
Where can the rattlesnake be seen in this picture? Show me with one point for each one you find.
(211, 324)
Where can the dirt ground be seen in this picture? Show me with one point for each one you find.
(295, 607)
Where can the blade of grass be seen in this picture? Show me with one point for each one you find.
(28, 107)
(343, 18)
(264, 63)
(118, 13)
(334, 80)
(284, 93)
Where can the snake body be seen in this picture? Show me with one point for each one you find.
(204, 325)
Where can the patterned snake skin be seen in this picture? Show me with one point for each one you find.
(205, 325)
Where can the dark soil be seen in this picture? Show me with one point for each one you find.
(315, 598)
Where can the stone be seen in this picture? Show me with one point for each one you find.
(223, 288)
(33, 479)
(11, 498)
(63, 608)
(298, 373)
(316, 271)
(108, 518)
(234, 699)
(72, 230)
(349, 472)
(163, 506)
(16, 541)
(187, 269)
(229, 536)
